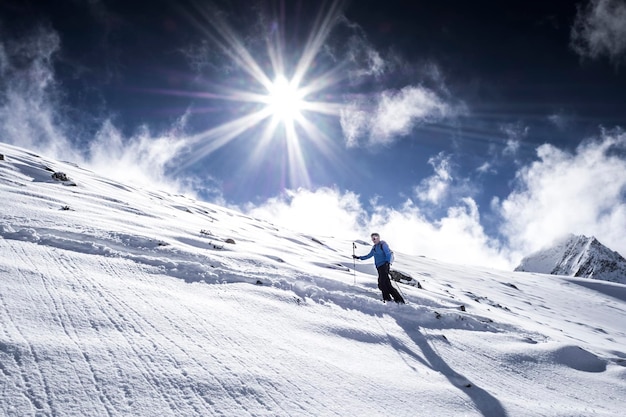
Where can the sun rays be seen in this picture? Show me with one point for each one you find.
(279, 95)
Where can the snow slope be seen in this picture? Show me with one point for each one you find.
(121, 301)
(578, 256)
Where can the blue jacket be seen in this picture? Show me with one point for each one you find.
(380, 252)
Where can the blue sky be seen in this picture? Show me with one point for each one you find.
(471, 132)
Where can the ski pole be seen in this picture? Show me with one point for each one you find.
(354, 262)
(400, 290)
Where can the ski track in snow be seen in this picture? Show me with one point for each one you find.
(117, 301)
(147, 349)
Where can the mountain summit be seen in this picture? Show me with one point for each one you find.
(577, 256)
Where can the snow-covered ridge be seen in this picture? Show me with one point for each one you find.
(577, 256)
(122, 301)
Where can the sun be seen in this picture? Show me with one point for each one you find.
(285, 100)
(281, 96)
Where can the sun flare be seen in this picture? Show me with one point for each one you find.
(279, 112)
(285, 100)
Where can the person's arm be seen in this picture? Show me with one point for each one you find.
(369, 255)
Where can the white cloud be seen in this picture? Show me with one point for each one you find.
(354, 119)
(486, 168)
(511, 147)
(600, 29)
(391, 114)
(501, 154)
(359, 57)
(444, 186)
(434, 188)
(561, 193)
(458, 237)
(384, 115)
(560, 120)
(367, 62)
(323, 212)
(514, 132)
(581, 193)
(398, 112)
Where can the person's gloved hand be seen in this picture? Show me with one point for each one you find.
(356, 257)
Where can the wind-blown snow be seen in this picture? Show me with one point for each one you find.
(121, 301)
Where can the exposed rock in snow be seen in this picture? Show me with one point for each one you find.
(577, 256)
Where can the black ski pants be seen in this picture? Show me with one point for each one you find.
(384, 285)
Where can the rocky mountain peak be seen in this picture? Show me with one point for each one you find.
(577, 256)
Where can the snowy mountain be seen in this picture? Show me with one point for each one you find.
(577, 256)
(122, 301)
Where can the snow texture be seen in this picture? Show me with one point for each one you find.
(123, 301)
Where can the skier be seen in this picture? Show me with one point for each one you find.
(382, 259)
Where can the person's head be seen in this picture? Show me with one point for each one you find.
(375, 237)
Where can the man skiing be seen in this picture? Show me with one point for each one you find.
(382, 259)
